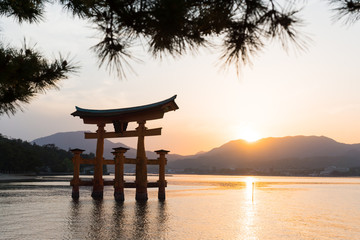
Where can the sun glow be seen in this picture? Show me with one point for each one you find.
(248, 134)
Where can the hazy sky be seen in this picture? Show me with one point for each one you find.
(314, 92)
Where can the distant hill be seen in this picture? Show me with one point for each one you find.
(69, 140)
(286, 152)
(307, 152)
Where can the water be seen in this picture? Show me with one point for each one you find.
(197, 207)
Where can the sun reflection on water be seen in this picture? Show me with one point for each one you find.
(247, 220)
(250, 188)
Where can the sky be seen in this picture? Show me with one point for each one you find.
(283, 93)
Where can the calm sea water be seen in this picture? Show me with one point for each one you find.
(197, 207)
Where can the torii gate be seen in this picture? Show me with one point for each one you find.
(120, 119)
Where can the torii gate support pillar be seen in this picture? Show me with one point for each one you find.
(162, 181)
(119, 173)
(75, 181)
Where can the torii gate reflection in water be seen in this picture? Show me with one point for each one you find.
(120, 119)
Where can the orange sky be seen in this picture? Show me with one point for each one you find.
(313, 92)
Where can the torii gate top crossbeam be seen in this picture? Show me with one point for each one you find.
(140, 113)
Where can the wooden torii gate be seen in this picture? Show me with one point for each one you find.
(120, 119)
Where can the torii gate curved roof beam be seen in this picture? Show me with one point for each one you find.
(145, 112)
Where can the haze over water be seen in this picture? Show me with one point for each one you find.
(197, 207)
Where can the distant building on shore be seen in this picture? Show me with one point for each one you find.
(331, 169)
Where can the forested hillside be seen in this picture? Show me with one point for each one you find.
(17, 156)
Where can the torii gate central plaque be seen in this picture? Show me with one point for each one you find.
(120, 119)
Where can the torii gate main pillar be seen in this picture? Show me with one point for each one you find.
(141, 164)
(98, 187)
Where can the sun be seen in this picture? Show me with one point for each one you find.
(248, 134)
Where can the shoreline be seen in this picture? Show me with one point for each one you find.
(9, 178)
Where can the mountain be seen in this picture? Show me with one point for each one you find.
(286, 152)
(301, 152)
(69, 140)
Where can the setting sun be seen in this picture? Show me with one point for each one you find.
(248, 134)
